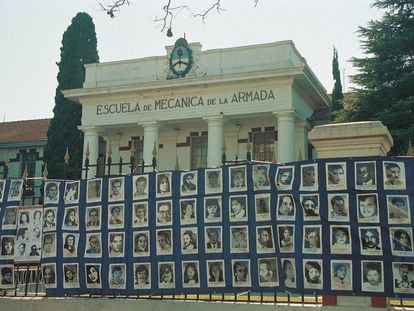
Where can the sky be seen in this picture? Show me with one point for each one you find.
(31, 33)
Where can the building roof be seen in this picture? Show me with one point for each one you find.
(24, 131)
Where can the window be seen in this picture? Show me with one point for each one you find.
(264, 146)
(28, 159)
(199, 151)
(139, 152)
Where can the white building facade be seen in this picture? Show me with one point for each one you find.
(190, 104)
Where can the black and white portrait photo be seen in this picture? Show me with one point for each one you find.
(371, 242)
(394, 175)
(116, 189)
(9, 221)
(71, 195)
(49, 275)
(93, 275)
(340, 239)
(164, 184)
(341, 275)
(261, 177)
(140, 215)
(239, 242)
(401, 241)
(403, 277)
(213, 181)
(188, 183)
(49, 245)
(141, 243)
(289, 272)
(284, 177)
(312, 273)
(6, 276)
(142, 275)
(49, 220)
(213, 239)
(286, 238)
(365, 175)
(94, 190)
(51, 194)
(164, 242)
(191, 274)
(71, 218)
(398, 208)
(268, 273)
(212, 209)
(15, 190)
(241, 272)
(237, 178)
(286, 207)
(93, 217)
(310, 206)
(309, 177)
(368, 208)
(336, 176)
(166, 275)
(70, 244)
(338, 207)
(116, 243)
(189, 240)
(216, 275)
(164, 213)
(262, 206)
(117, 276)
(71, 275)
(93, 245)
(140, 187)
(312, 239)
(265, 240)
(372, 276)
(116, 216)
(238, 208)
(188, 211)
(7, 246)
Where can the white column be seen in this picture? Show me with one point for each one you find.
(151, 136)
(301, 138)
(91, 137)
(215, 140)
(285, 137)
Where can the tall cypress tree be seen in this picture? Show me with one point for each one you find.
(337, 96)
(386, 74)
(79, 47)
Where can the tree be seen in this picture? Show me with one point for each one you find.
(386, 74)
(79, 47)
(337, 96)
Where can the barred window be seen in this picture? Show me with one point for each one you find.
(264, 146)
(199, 151)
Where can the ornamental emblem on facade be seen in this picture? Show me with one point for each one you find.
(181, 58)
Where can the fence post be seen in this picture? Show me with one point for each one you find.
(6, 168)
(66, 165)
(154, 157)
(248, 149)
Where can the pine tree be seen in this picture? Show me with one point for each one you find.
(79, 47)
(386, 74)
(337, 96)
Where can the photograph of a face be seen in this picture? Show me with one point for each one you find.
(93, 245)
(284, 177)
(237, 178)
(116, 189)
(286, 207)
(341, 275)
(372, 276)
(212, 209)
(338, 207)
(394, 175)
(142, 274)
(188, 183)
(241, 272)
(140, 215)
(313, 273)
(286, 238)
(166, 275)
(368, 208)
(190, 277)
(309, 177)
(117, 276)
(93, 275)
(140, 187)
(164, 184)
(141, 243)
(238, 208)
(216, 273)
(116, 216)
(398, 207)
(336, 176)
(94, 190)
(265, 240)
(261, 177)
(51, 192)
(6, 276)
(371, 242)
(213, 181)
(189, 240)
(268, 273)
(365, 175)
(213, 239)
(262, 206)
(401, 241)
(289, 272)
(93, 217)
(188, 211)
(403, 275)
(341, 242)
(71, 195)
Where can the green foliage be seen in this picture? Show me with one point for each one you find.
(337, 96)
(79, 47)
(386, 74)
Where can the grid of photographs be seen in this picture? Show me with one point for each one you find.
(321, 225)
